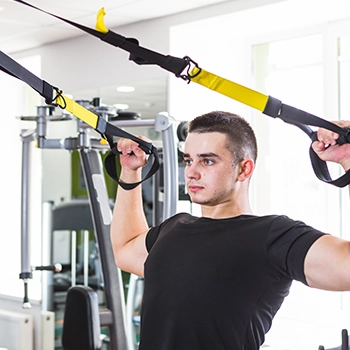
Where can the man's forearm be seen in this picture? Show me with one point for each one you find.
(129, 219)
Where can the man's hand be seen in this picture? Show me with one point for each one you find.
(132, 157)
(327, 148)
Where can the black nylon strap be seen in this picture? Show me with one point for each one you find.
(111, 168)
(141, 55)
(110, 160)
(11, 67)
(106, 128)
(322, 173)
(293, 115)
(276, 109)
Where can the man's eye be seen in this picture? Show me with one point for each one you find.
(187, 161)
(208, 161)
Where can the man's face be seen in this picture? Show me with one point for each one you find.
(210, 175)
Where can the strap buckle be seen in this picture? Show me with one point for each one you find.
(59, 94)
(190, 63)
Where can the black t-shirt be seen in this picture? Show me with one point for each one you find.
(217, 284)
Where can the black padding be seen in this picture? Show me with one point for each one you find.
(81, 324)
(74, 215)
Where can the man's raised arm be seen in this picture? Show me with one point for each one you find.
(129, 225)
(328, 260)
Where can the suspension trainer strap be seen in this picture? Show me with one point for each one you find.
(266, 104)
(54, 96)
(298, 117)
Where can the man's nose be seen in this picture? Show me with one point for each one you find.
(192, 171)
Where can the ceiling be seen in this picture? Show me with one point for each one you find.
(22, 28)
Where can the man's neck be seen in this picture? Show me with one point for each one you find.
(223, 211)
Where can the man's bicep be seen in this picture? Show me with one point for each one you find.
(133, 255)
(327, 264)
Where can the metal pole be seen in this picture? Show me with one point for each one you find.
(86, 257)
(170, 165)
(46, 258)
(27, 137)
(73, 258)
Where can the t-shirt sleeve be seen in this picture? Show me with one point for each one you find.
(166, 226)
(288, 243)
(151, 237)
(154, 232)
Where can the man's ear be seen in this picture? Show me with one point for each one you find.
(246, 169)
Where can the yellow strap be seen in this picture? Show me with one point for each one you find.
(228, 88)
(100, 25)
(79, 111)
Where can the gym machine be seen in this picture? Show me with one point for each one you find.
(344, 342)
(89, 150)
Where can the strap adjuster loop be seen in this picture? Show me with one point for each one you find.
(187, 77)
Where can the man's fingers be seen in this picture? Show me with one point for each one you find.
(318, 146)
(126, 146)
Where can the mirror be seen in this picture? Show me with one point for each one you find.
(148, 98)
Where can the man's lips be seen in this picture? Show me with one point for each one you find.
(194, 188)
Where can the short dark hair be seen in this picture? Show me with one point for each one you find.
(240, 135)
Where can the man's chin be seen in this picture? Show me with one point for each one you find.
(197, 200)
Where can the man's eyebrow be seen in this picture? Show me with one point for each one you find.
(202, 155)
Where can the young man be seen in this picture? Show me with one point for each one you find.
(216, 281)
